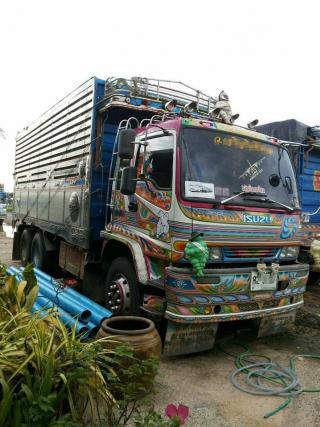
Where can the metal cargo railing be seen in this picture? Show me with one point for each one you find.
(158, 90)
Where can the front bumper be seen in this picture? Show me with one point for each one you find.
(224, 294)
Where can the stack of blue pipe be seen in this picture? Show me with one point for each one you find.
(73, 307)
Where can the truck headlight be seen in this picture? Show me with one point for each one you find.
(289, 252)
(215, 253)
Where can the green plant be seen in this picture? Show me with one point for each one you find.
(40, 368)
(29, 277)
(130, 383)
(15, 297)
(49, 377)
(153, 419)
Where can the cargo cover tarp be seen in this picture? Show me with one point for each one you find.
(287, 130)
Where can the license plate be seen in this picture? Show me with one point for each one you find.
(266, 281)
(261, 296)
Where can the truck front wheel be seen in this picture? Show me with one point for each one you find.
(121, 288)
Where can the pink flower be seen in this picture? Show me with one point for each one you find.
(181, 412)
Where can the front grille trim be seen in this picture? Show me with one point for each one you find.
(253, 253)
(270, 304)
(250, 306)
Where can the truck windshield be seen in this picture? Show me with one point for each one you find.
(217, 166)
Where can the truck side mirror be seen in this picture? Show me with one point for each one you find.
(128, 180)
(125, 143)
(288, 184)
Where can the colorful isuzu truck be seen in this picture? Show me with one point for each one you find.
(180, 214)
(303, 144)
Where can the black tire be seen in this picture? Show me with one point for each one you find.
(122, 278)
(38, 252)
(25, 246)
(1, 221)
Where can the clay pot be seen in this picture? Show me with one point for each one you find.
(139, 333)
(143, 339)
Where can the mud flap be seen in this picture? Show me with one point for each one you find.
(182, 338)
(276, 324)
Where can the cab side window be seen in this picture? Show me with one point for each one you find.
(159, 162)
(159, 169)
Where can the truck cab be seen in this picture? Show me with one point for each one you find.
(236, 189)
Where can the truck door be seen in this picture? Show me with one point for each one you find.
(154, 194)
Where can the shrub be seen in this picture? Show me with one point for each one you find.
(49, 377)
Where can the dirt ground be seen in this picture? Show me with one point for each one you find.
(6, 235)
(202, 381)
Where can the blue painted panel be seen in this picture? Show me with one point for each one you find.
(311, 198)
(99, 175)
(307, 182)
(309, 166)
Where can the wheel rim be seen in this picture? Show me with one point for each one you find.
(118, 294)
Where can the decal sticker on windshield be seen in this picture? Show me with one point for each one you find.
(203, 190)
(243, 144)
(253, 170)
(253, 189)
(222, 191)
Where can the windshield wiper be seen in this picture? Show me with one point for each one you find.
(247, 193)
(267, 199)
(262, 199)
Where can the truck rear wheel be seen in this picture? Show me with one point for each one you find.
(121, 288)
(38, 252)
(25, 246)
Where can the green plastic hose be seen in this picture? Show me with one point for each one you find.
(266, 378)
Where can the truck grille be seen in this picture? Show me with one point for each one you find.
(251, 306)
(234, 253)
(248, 306)
(271, 304)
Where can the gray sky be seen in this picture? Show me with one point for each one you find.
(264, 54)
